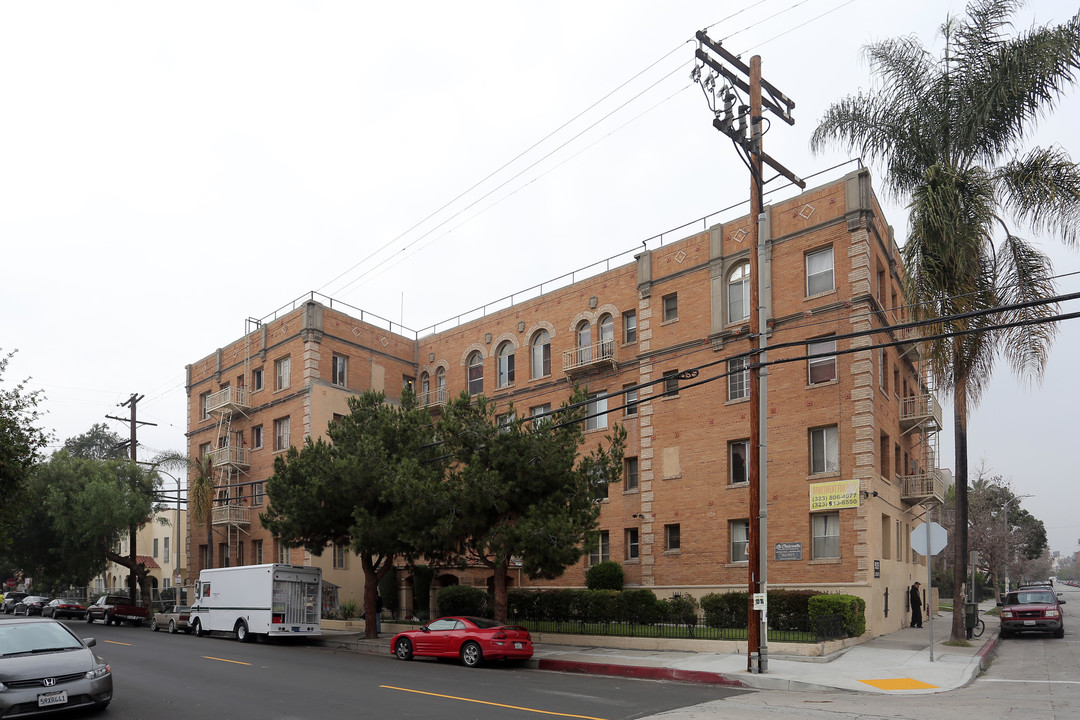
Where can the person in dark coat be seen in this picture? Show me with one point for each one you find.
(916, 606)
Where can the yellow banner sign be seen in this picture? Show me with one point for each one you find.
(834, 495)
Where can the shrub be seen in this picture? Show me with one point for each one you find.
(348, 610)
(725, 610)
(638, 606)
(522, 604)
(461, 600)
(850, 608)
(681, 609)
(607, 575)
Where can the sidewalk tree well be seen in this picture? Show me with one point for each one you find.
(373, 487)
(520, 490)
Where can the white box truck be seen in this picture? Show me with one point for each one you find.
(251, 600)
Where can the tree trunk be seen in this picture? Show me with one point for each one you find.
(373, 573)
(960, 547)
(501, 571)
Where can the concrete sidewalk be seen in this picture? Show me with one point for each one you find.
(897, 663)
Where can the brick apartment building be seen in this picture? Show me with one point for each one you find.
(850, 437)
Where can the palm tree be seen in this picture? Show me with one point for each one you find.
(200, 491)
(948, 131)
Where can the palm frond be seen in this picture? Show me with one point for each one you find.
(1042, 189)
(1025, 274)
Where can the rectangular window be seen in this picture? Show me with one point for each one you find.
(204, 404)
(204, 555)
(631, 480)
(339, 556)
(886, 532)
(204, 450)
(540, 410)
(256, 551)
(630, 399)
(256, 437)
(283, 554)
(825, 450)
(340, 370)
(633, 549)
(282, 373)
(504, 367)
(281, 434)
(883, 455)
(165, 551)
(671, 307)
(629, 323)
(672, 539)
(596, 412)
(671, 383)
(819, 271)
(883, 370)
(256, 379)
(896, 380)
(223, 554)
(821, 369)
(740, 538)
(257, 493)
(826, 541)
(601, 550)
(155, 547)
(505, 420)
(738, 379)
(240, 553)
(739, 452)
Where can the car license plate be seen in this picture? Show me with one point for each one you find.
(1029, 622)
(53, 698)
(517, 646)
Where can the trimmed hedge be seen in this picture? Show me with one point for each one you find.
(850, 608)
(607, 575)
(462, 600)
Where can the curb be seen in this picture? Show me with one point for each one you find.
(637, 671)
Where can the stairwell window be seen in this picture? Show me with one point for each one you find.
(819, 272)
(340, 370)
(740, 538)
(826, 540)
(824, 450)
(281, 434)
(283, 373)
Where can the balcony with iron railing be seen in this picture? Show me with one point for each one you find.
(433, 398)
(229, 456)
(920, 411)
(587, 357)
(231, 515)
(227, 400)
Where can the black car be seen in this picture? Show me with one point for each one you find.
(10, 599)
(64, 607)
(31, 605)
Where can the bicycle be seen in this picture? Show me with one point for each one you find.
(979, 628)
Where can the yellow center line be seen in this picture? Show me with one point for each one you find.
(485, 702)
(234, 662)
(113, 642)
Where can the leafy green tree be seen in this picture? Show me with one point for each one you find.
(949, 131)
(200, 489)
(372, 486)
(99, 443)
(21, 442)
(520, 489)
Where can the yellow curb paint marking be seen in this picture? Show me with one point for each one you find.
(113, 642)
(485, 702)
(899, 684)
(234, 662)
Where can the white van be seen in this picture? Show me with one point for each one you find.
(250, 600)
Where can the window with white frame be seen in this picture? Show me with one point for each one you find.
(541, 354)
(671, 307)
(738, 381)
(165, 551)
(631, 475)
(739, 461)
(256, 379)
(607, 336)
(671, 383)
(544, 410)
(825, 450)
(504, 365)
(340, 370)
(256, 437)
(257, 493)
(740, 538)
(281, 434)
(282, 373)
(257, 551)
(819, 271)
(738, 293)
(339, 556)
(601, 549)
(204, 403)
(630, 399)
(596, 411)
(821, 369)
(155, 547)
(440, 384)
(475, 373)
(633, 547)
(826, 539)
(629, 323)
(583, 334)
(425, 388)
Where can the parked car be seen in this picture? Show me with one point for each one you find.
(64, 607)
(31, 605)
(472, 639)
(175, 618)
(116, 609)
(1033, 610)
(45, 667)
(10, 599)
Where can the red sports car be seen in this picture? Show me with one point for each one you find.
(472, 639)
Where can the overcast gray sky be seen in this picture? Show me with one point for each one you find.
(168, 170)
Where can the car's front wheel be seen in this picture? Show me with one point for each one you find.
(471, 655)
(89, 617)
(403, 649)
(199, 632)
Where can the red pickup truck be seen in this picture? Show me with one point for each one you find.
(116, 609)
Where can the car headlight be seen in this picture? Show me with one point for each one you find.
(1053, 613)
(99, 671)
(3, 687)
(1006, 613)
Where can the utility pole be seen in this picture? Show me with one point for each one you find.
(133, 445)
(724, 120)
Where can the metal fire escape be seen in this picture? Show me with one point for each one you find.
(920, 415)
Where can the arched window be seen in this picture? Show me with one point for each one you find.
(607, 336)
(541, 354)
(738, 294)
(440, 385)
(584, 342)
(475, 373)
(505, 365)
(425, 388)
